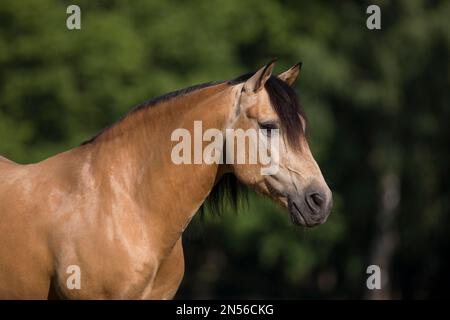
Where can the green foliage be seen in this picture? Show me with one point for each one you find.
(377, 102)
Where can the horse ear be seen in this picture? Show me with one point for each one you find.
(291, 75)
(257, 81)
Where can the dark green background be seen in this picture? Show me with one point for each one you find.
(378, 104)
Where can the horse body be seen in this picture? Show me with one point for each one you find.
(116, 208)
(105, 208)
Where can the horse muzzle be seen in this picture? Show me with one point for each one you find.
(312, 207)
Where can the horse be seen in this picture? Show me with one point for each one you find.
(105, 219)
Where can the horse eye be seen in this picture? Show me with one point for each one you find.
(268, 126)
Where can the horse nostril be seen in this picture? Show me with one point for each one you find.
(317, 199)
(316, 202)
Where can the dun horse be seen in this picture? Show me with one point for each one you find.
(116, 206)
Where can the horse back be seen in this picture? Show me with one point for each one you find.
(6, 160)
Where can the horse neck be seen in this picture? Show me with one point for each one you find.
(134, 158)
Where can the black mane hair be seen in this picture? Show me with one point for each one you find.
(285, 101)
(153, 102)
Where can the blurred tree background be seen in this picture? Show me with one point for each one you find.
(378, 104)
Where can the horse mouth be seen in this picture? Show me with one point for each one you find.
(297, 217)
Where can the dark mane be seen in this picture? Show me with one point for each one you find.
(229, 191)
(174, 94)
(285, 101)
(155, 101)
